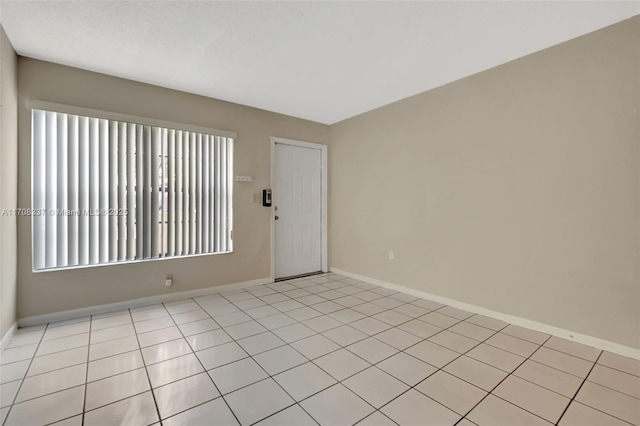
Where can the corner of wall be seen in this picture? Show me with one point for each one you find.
(9, 187)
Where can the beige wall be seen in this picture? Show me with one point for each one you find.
(8, 181)
(47, 292)
(516, 189)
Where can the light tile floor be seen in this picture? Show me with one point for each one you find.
(325, 350)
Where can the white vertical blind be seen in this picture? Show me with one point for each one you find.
(192, 192)
(108, 191)
(114, 200)
(205, 193)
(186, 181)
(171, 187)
(139, 191)
(130, 233)
(217, 191)
(83, 193)
(73, 188)
(62, 184)
(179, 199)
(153, 213)
(122, 147)
(94, 192)
(51, 188)
(223, 188)
(198, 158)
(38, 178)
(103, 196)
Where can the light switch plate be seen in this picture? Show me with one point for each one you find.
(244, 178)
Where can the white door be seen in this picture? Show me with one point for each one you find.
(297, 200)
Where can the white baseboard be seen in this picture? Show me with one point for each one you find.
(8, 335)
(523, 322)
(134, 303)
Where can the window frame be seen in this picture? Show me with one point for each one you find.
(138, 120)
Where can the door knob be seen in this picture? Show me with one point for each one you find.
(277, 217)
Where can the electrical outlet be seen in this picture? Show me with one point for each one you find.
(244, 178)
(168, 281)
(392, 255)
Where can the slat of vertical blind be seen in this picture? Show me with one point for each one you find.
(38, 177)
(179, 188)
(171, 196)
(146, 191)
(122, 149)
(186, 181)
(223, 199)
(112, 177)
(131, 191)
(51, 190)
(62, 187)
(212, 196)
(176, 186)
(109, 222)
(218, 190)
(192, 193)
(140, 167)
(205, 194)
(74, 189)
(153, 215)
(94, 192)
(83, 194)
(198, 159)
(164, 190)
(103, 194)
(229, 195)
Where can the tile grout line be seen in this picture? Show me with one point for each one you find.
(271, 285)
(83, 362)
(228, 302)
(285, 343)
(145, 370)
(343, 307)
(327, 353)
(320, 314)
(500, 382)
(70, 335)
(438, 368)
(25, 375)
(579, 387)
(220, 328)
(307, 359)
(599, 410)
(610, 388)
(346, 307)
(259, 365)
(582, 379)
(354, 305)
(86, 373)
(375, 364)
(203, 369)
(86, 383)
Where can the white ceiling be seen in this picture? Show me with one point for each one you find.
(323, 61)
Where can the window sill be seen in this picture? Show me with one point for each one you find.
(127, 262)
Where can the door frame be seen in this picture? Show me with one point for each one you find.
(323, 191)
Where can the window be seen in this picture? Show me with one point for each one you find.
(108, 190)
